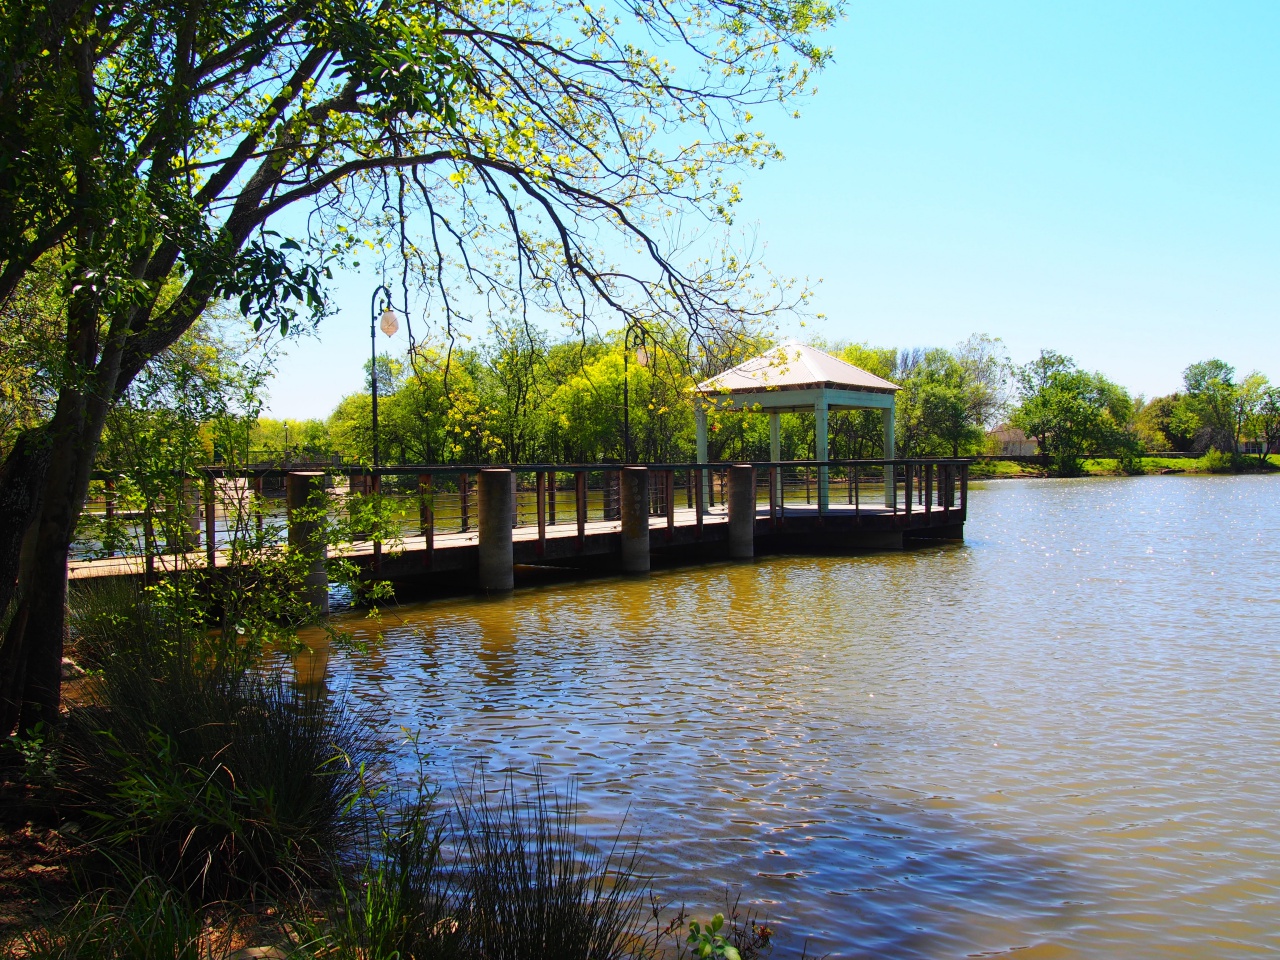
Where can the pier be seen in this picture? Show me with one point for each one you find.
(464, 528)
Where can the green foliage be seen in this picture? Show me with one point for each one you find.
(707, 942)
(28, 352)
(404, 897)
(1217, 461)
(1230, 411)
(272, 439)
(1167, 423)
(537, 890)
(148, 921)
(203, 764)
(1071, 413)
(38, 750)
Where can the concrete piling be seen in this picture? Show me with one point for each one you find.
(633, 502)
(305, 499)
(742, 511)
(496, 549)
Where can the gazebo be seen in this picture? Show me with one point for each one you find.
(794, 378)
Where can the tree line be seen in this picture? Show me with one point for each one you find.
(516, 398)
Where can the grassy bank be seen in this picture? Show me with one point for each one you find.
(197, 803)
(1109, 467)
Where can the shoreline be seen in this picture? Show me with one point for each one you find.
(985, 470)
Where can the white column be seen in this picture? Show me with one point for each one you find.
(820, 446)
(890, 494)
(700, 423)
(775, 449)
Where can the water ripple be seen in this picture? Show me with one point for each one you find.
(1059, 738)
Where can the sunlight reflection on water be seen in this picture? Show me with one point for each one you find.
(1059, 736)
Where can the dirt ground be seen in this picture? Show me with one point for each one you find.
(35, 859)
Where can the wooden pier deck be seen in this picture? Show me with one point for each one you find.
(447, 559)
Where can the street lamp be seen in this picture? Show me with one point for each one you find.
(389, 323)
(642, 358)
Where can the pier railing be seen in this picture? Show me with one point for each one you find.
(218, 506)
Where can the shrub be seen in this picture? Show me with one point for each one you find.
(206, 766)
(1217, 461)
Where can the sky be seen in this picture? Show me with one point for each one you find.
(1100, 179)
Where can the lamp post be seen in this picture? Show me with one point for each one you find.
(389, 324)
(642, 358)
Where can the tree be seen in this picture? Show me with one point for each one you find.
(985, 367)
(1211, 396)
(147, 150)
(939, 405)
(1267, 422)
(291, 439)
(1071, 413)
(1167, 423)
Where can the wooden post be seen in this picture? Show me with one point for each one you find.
(907, 497)
(689, 491)
(542, 512)
(210, 524)
(148, 546)
(697, 497)
(580, 496)
(964, 492)
(671, 505)
(857, 500)
(109, 507)
(928, 488)
(258, 505)
(426, 518)
(462, 502)
(773, 497)
(808, 482)
(551, 504)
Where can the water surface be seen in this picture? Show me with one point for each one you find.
(1058, 739)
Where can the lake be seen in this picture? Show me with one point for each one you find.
(1058, 739)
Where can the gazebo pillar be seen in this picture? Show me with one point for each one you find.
(890, 491)
(820, 446)
(700, 424)
(775, 450)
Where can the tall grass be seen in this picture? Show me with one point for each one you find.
(503, 875)
(538, 889)
(209, 770)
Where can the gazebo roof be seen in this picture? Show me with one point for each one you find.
(795, 366)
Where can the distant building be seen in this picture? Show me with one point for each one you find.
(1007, 441)
(1255, 448)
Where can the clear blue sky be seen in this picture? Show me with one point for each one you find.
(1099, 178)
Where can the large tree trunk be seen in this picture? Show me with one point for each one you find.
(49, 476)
(21, 487)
